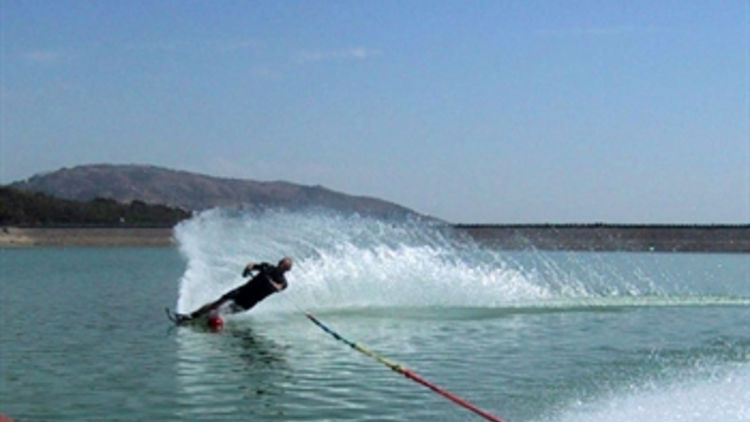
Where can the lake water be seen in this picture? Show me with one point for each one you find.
(527, 336)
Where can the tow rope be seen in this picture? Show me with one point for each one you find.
(406, 372)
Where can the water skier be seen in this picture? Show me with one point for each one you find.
(270, 279)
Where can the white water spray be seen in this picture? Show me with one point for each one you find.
(353, 261)
(721, 397)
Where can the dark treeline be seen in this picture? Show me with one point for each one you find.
(22, 208)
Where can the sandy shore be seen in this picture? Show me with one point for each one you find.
(110, 236)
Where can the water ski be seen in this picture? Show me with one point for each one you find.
(213, 321)
(178, 319)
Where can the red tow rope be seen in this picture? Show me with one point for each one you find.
(407, 373)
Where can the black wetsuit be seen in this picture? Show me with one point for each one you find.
(246, 296)
(258, 288)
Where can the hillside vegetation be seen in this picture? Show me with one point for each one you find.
(19, 208)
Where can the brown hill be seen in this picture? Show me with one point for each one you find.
(190, 191)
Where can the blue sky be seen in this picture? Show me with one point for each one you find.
(471, 111)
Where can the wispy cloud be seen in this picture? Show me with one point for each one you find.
(355, 53)
(265, 72)
(45, 56)
(601, 31)
(226, 167)
(231, 46)
(200, 46)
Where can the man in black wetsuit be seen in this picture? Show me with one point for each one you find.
(269, 280)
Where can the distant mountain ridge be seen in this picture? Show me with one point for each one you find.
(192, 191)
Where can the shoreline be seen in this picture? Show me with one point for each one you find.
(596, 237)
(11, 237)
(613, 237)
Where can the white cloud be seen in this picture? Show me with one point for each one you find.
(355, 53)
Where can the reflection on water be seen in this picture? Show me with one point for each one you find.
(237, 372)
